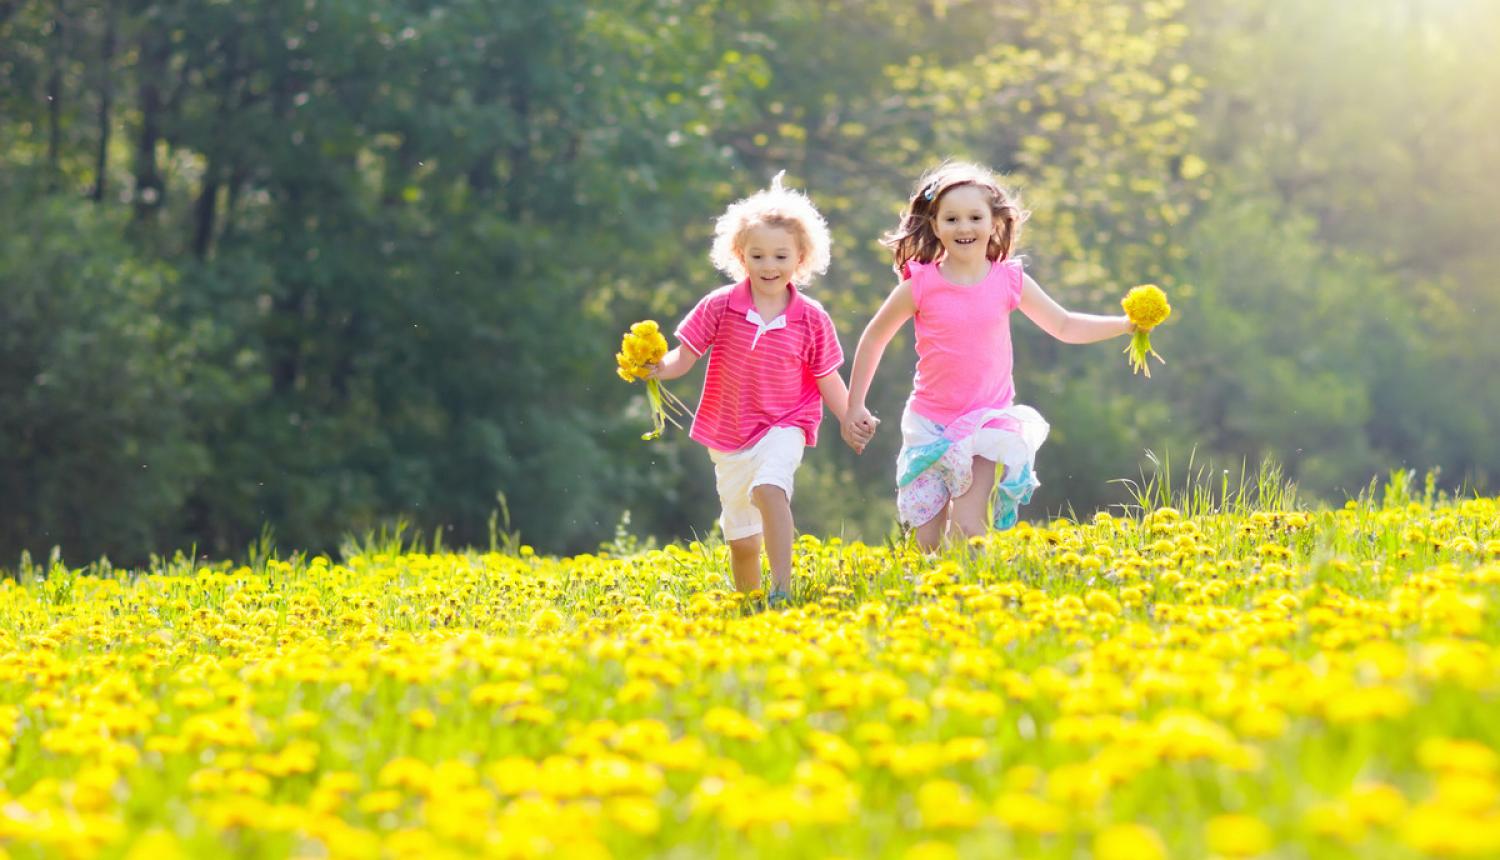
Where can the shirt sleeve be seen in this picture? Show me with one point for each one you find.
(1014, 283)
(914, 272)
(699, 328)
(824, 355)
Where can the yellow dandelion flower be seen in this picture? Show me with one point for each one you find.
(785, 710)
(1128, 842)
(730, 723)
(1376, 803)
(1147, 308)
(1025, 813)
(1238, 835)
(641, 349)
(156, 844)
(1334, 821)
(944, 804)
(381, 801)
(931, 850)
(636, 814)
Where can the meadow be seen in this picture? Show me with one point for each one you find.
(1169, 680)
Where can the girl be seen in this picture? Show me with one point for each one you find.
(953, 250)
(772, 365)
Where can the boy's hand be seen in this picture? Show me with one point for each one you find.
(675, 363)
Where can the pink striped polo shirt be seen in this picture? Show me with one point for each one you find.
(760, 374)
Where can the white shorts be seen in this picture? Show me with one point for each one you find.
(773, 460)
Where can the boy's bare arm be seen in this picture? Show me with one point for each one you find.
(674, 364)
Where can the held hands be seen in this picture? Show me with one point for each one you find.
(858, 428)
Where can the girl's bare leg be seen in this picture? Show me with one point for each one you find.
(776, 518)
(970, 511)
(744, 560)
(930, 533)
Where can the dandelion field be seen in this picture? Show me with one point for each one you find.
(1168, 683)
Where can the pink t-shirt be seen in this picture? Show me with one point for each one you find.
(963, 340)
(761, 374)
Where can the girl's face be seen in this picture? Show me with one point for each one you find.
(963, 222)
(771, 255)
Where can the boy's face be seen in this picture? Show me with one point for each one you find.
(770, 255)
(963, 222)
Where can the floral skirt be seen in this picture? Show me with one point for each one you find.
(936, 463)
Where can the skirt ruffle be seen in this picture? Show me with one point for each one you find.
(936, 463)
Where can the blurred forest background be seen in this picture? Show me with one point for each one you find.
(311, 265)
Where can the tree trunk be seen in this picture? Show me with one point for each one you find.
(153, 67)
(520, 150)
(481, 173)
(204, 212)
(106, 99)
(237, 179)
(54, 94)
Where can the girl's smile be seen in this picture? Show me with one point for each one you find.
(964, 222)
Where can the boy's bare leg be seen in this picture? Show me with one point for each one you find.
(776, 518)
(744, 560)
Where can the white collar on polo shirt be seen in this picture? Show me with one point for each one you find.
(762, 326)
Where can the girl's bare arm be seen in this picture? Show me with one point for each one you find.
(1063, 324)
(898, 308)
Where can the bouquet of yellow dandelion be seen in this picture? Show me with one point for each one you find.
(1147, 307)
(640, 348)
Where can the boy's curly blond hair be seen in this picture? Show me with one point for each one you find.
(776, 206)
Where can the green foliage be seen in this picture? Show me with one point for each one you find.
(99, 453)
(348, 262)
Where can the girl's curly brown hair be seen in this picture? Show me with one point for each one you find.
(915, 239)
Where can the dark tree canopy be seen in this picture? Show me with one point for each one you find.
(316, 265)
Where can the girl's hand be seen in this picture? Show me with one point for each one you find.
(858, 428)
